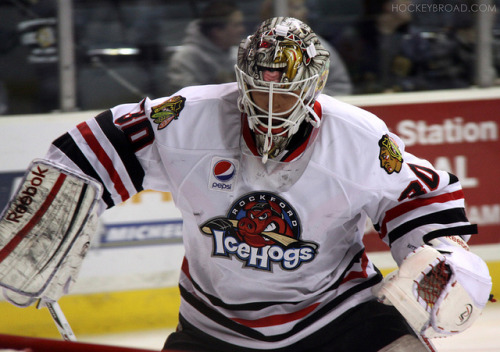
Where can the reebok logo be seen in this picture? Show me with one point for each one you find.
(27, 194)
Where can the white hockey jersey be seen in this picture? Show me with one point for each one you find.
(274, 252)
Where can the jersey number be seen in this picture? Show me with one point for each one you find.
(137, 129)
(425, 175)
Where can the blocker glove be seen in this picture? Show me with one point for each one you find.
(45, 232)
(440, 288)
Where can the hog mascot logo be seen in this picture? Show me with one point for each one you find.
(260, 229)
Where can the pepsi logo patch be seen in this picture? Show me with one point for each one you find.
(224, 170)
(223, 174)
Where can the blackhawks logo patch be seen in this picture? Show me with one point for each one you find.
(390, 157)
(167, 111)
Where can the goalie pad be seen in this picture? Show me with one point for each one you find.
(438, 294)
(45, 232)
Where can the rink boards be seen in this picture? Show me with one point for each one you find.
(128, 281)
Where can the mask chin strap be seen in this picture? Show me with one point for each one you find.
(265, 151)
(315, 120)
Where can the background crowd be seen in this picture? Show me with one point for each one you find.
(127, 49)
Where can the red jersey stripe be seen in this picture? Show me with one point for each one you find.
(185, 268)
(414, 204)
(104, 159)
(278, 319)
(358, 274)
(14, 242)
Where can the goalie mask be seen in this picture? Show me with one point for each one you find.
(281, 70)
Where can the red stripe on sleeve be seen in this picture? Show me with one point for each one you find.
(414, 204)
(104, 159)
(14, 242)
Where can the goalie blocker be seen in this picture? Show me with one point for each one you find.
(45, 232)
(440, 288)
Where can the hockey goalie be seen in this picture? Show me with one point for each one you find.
(275, 182)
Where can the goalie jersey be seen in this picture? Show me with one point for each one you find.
(274, 251)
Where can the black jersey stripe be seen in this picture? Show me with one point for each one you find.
(315, 316)
(250, 332)
(220, 319)
(451, 231)
(122, 148)
(444, 217)
(68, 146)
(453, 178)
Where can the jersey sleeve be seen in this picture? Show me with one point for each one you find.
(419, 202)
(114, 148)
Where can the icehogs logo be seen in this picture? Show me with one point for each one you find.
(260, 229)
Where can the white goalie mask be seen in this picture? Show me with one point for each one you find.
(281, 70)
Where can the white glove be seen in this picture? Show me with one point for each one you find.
(439, 291)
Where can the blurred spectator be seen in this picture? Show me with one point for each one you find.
(208, 53)
(8, 40)
(448, 53)
(29, 55)
(38, 33)
(4, 101)
(379, 50)
(387, 51)
(447, 56)
(339, 82)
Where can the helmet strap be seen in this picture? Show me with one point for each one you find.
(313, 118)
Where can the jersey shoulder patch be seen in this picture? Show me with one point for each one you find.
(169, 110)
